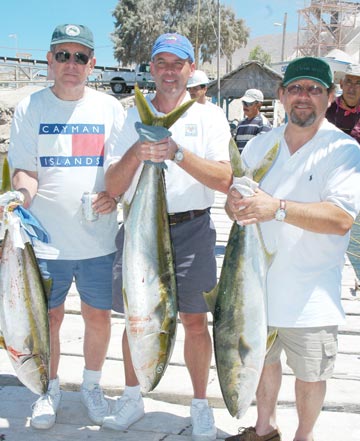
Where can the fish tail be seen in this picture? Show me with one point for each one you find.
(148, 117)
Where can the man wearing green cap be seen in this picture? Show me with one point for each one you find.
(59, 139)
(305, 206)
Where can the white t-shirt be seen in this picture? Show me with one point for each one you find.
(200, 130)
(304, 280)
(66, 142)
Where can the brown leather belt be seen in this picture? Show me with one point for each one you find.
(177, 218)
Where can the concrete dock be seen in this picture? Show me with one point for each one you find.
(167, 407)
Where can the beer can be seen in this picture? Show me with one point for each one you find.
(88, 212)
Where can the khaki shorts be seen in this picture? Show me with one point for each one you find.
(310, 352)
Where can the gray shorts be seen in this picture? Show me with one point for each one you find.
(92, 279)
(310, 352)
(195, 263)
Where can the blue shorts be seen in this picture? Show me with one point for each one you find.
(92, 278)
(195, 264)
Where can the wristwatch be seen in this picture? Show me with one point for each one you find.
(280, 213)
(179, 155)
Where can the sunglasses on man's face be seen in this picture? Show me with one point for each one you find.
(78, 57)
(246, 104)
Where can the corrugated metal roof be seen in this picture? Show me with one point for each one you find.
(250, 75)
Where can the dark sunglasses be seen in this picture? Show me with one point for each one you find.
(79, 57)
(313, 90)
(246, 104)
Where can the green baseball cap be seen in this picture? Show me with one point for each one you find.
(73, 33)
(309, 68)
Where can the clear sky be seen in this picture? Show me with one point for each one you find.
(27, 25)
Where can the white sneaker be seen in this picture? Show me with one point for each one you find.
(126, 412)
(45, 408)
(203, 423)
(95, 402)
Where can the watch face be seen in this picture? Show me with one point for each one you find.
(179, 156)
(280, 214)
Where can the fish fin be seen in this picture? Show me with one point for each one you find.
(2, 341)
(47, 283)
(266, 163)
(243, 349)
(211, 297)
(126, 208)
(237, 163)
(271, 337)
(269, 256)
(145, 113)
(125, 298)
(6, 179)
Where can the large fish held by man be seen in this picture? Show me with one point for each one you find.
(149, 283)
(238, 304)
(24, 327)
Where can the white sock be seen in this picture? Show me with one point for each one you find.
(133, 392)
(91, 378)
(54, 386)
(199, 400)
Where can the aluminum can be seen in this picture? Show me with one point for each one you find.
(88, 212)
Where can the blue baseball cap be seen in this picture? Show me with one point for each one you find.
(175, 44)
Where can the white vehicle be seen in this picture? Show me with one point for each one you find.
(123, 80)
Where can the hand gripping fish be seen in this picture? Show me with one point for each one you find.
(24, 328)
(149, 284)
(238, 304)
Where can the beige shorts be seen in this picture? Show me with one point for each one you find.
(310, 352)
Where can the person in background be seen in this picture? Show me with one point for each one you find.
(198, 86)
(254, 122)
(344, 112)
(305, 206)
(197, 159)
(58, 141)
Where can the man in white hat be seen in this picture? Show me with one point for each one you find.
(344, 112)
(254, 122)
(198, 85)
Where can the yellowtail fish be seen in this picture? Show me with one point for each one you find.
(149, 284)
(238, 304)
(24, 328)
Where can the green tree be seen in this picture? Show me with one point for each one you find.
(139, 22)
(258, 54)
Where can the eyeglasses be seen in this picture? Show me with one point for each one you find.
(79, 57)
(246, 104)
(297, 89)
(349, 83)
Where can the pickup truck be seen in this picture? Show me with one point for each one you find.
(123, 80)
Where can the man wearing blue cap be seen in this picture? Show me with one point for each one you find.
(197, 158)
(305, 206)
(59, 140)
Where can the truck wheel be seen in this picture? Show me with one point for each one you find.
(118, 86)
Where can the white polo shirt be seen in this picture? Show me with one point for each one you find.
(200, 130)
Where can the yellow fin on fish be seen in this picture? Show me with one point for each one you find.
(2, 341)
(210, 298)
(6, 179)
